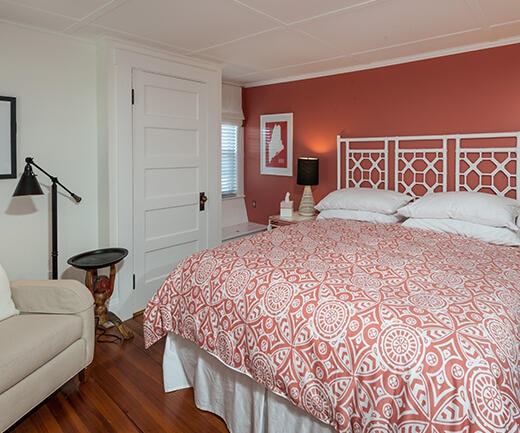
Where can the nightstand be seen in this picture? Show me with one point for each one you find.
(276, 221)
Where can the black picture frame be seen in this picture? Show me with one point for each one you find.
(7, 137)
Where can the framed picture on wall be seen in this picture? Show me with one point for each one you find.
(276, 144)
(7, 137)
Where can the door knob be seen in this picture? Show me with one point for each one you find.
(202, 200)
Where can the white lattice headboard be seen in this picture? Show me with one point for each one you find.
(417, 165)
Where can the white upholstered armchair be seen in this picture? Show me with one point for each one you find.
(46, 344)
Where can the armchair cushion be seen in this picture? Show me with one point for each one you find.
(7, 308)
(39, 338)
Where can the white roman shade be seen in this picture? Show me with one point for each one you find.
(232, 104)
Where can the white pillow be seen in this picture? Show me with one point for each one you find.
(367, 199)
(360, 215)
(7, 308)
(494, 235)
(475, 207)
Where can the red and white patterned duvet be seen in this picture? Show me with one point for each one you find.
(369, 327)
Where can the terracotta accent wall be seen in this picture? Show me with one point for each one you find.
(464, 93)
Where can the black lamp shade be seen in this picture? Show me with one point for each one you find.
(308, 171)
(28, 184)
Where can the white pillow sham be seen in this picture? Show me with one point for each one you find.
(366, 199)
(486, 233)
(360, 215)
(7, 308)
(475, 207)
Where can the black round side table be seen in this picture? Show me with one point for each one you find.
(102, 286)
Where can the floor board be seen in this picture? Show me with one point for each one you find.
(124, 393)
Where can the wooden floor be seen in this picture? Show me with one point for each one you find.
(123, 394)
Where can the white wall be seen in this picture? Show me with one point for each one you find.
(54, 81)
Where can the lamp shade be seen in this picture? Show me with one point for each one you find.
(308, 171)
(28, 184)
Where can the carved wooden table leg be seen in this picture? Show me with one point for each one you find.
(123, 329)
(102, 288)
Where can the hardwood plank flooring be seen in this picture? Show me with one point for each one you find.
(124, 393)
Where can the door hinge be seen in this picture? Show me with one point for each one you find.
(133, 281)
(133, 97)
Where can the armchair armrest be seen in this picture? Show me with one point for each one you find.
(51, 296)
(58, 297)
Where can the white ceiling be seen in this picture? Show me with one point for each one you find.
(265, 41)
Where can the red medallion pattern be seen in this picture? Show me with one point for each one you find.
(368, 327)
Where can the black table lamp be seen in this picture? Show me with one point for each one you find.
(28, 185)
(308, 175)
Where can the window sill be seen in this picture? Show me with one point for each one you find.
(233, 197)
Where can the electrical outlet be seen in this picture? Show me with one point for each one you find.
(253, 203)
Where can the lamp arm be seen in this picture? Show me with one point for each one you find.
(54, 179)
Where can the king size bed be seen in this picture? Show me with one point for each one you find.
(358, 321)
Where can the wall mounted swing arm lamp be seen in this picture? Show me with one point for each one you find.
(29, 185)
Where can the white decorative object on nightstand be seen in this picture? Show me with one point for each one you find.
(286, 207)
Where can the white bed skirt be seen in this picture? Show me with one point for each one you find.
(244, 405)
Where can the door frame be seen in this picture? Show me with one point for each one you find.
(116, 62)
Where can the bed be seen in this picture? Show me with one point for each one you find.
(342, 325)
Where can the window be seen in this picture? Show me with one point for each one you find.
(230, 163)
(232, 167)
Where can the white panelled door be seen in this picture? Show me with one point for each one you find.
(170, 171)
